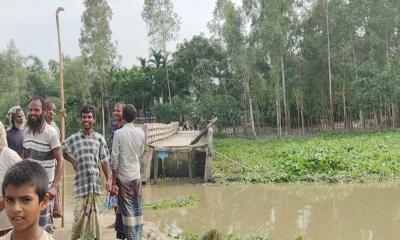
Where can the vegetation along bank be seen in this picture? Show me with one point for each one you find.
(326, 158)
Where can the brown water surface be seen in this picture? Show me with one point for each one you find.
(276, 211)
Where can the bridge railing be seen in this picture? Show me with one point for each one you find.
(155, 132)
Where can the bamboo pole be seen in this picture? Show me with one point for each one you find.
(59, 9)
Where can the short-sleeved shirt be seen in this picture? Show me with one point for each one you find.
(54, 125)
(15, 139)
(89, 152)
(8, 157)
(127, 150)
(45, 236)
(39, 148)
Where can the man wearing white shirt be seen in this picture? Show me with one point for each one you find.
(127, 150)
(8, 157)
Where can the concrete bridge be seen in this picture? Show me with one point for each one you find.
(172, 152)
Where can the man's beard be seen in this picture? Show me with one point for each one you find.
(19, 126)
(36, 123)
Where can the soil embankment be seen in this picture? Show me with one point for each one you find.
(150, 230)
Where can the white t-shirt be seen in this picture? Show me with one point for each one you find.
(8, 157)
(45, 236)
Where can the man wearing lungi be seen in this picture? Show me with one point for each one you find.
(115, 125)
(127, 150)
(42, 145)
(87, 150)
(50, 114)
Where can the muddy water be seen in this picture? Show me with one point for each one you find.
(325, 212)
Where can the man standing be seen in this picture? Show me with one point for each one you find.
(115, 125)
(42, 145)
(50, 113)
(87, 150)
(8, 157)
(127, 150)
(15, 135)
(119, 120)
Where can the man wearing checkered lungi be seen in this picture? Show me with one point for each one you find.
(127, 150)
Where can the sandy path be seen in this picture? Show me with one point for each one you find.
(65, 232)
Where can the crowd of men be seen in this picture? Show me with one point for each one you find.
(37, 139)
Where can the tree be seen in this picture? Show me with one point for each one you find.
(38, 79)
(272, 24)
(229, 26)
(163, 25)
(331, 118)
(200, 60)
(12, 74)
(97, 49)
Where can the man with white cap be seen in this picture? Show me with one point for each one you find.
(15, 134)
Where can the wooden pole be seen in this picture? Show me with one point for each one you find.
(62, 132)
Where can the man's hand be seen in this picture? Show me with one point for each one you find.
(71, 160)
(52, 192)
(63, 113)
(74, 165)
(114, 189)
(108, 185)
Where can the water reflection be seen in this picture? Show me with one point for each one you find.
(278, 211)
(284, 211)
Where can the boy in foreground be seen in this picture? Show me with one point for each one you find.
(25, 190)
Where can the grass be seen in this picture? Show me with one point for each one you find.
(327, 158)
(172, 203)
(215, 235)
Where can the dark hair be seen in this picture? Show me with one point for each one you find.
(88, 109)
(129, 113)
(27, 173)
(42, 100)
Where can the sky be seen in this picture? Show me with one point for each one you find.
(31, 24)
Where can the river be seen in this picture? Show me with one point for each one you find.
(276, 211)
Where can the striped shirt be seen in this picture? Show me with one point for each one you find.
(39, 148)
(89, 153)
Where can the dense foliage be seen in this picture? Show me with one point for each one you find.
(275, 64)
(329, 158)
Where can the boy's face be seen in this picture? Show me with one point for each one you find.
(23, 207)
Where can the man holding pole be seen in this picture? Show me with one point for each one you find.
(50, 113)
